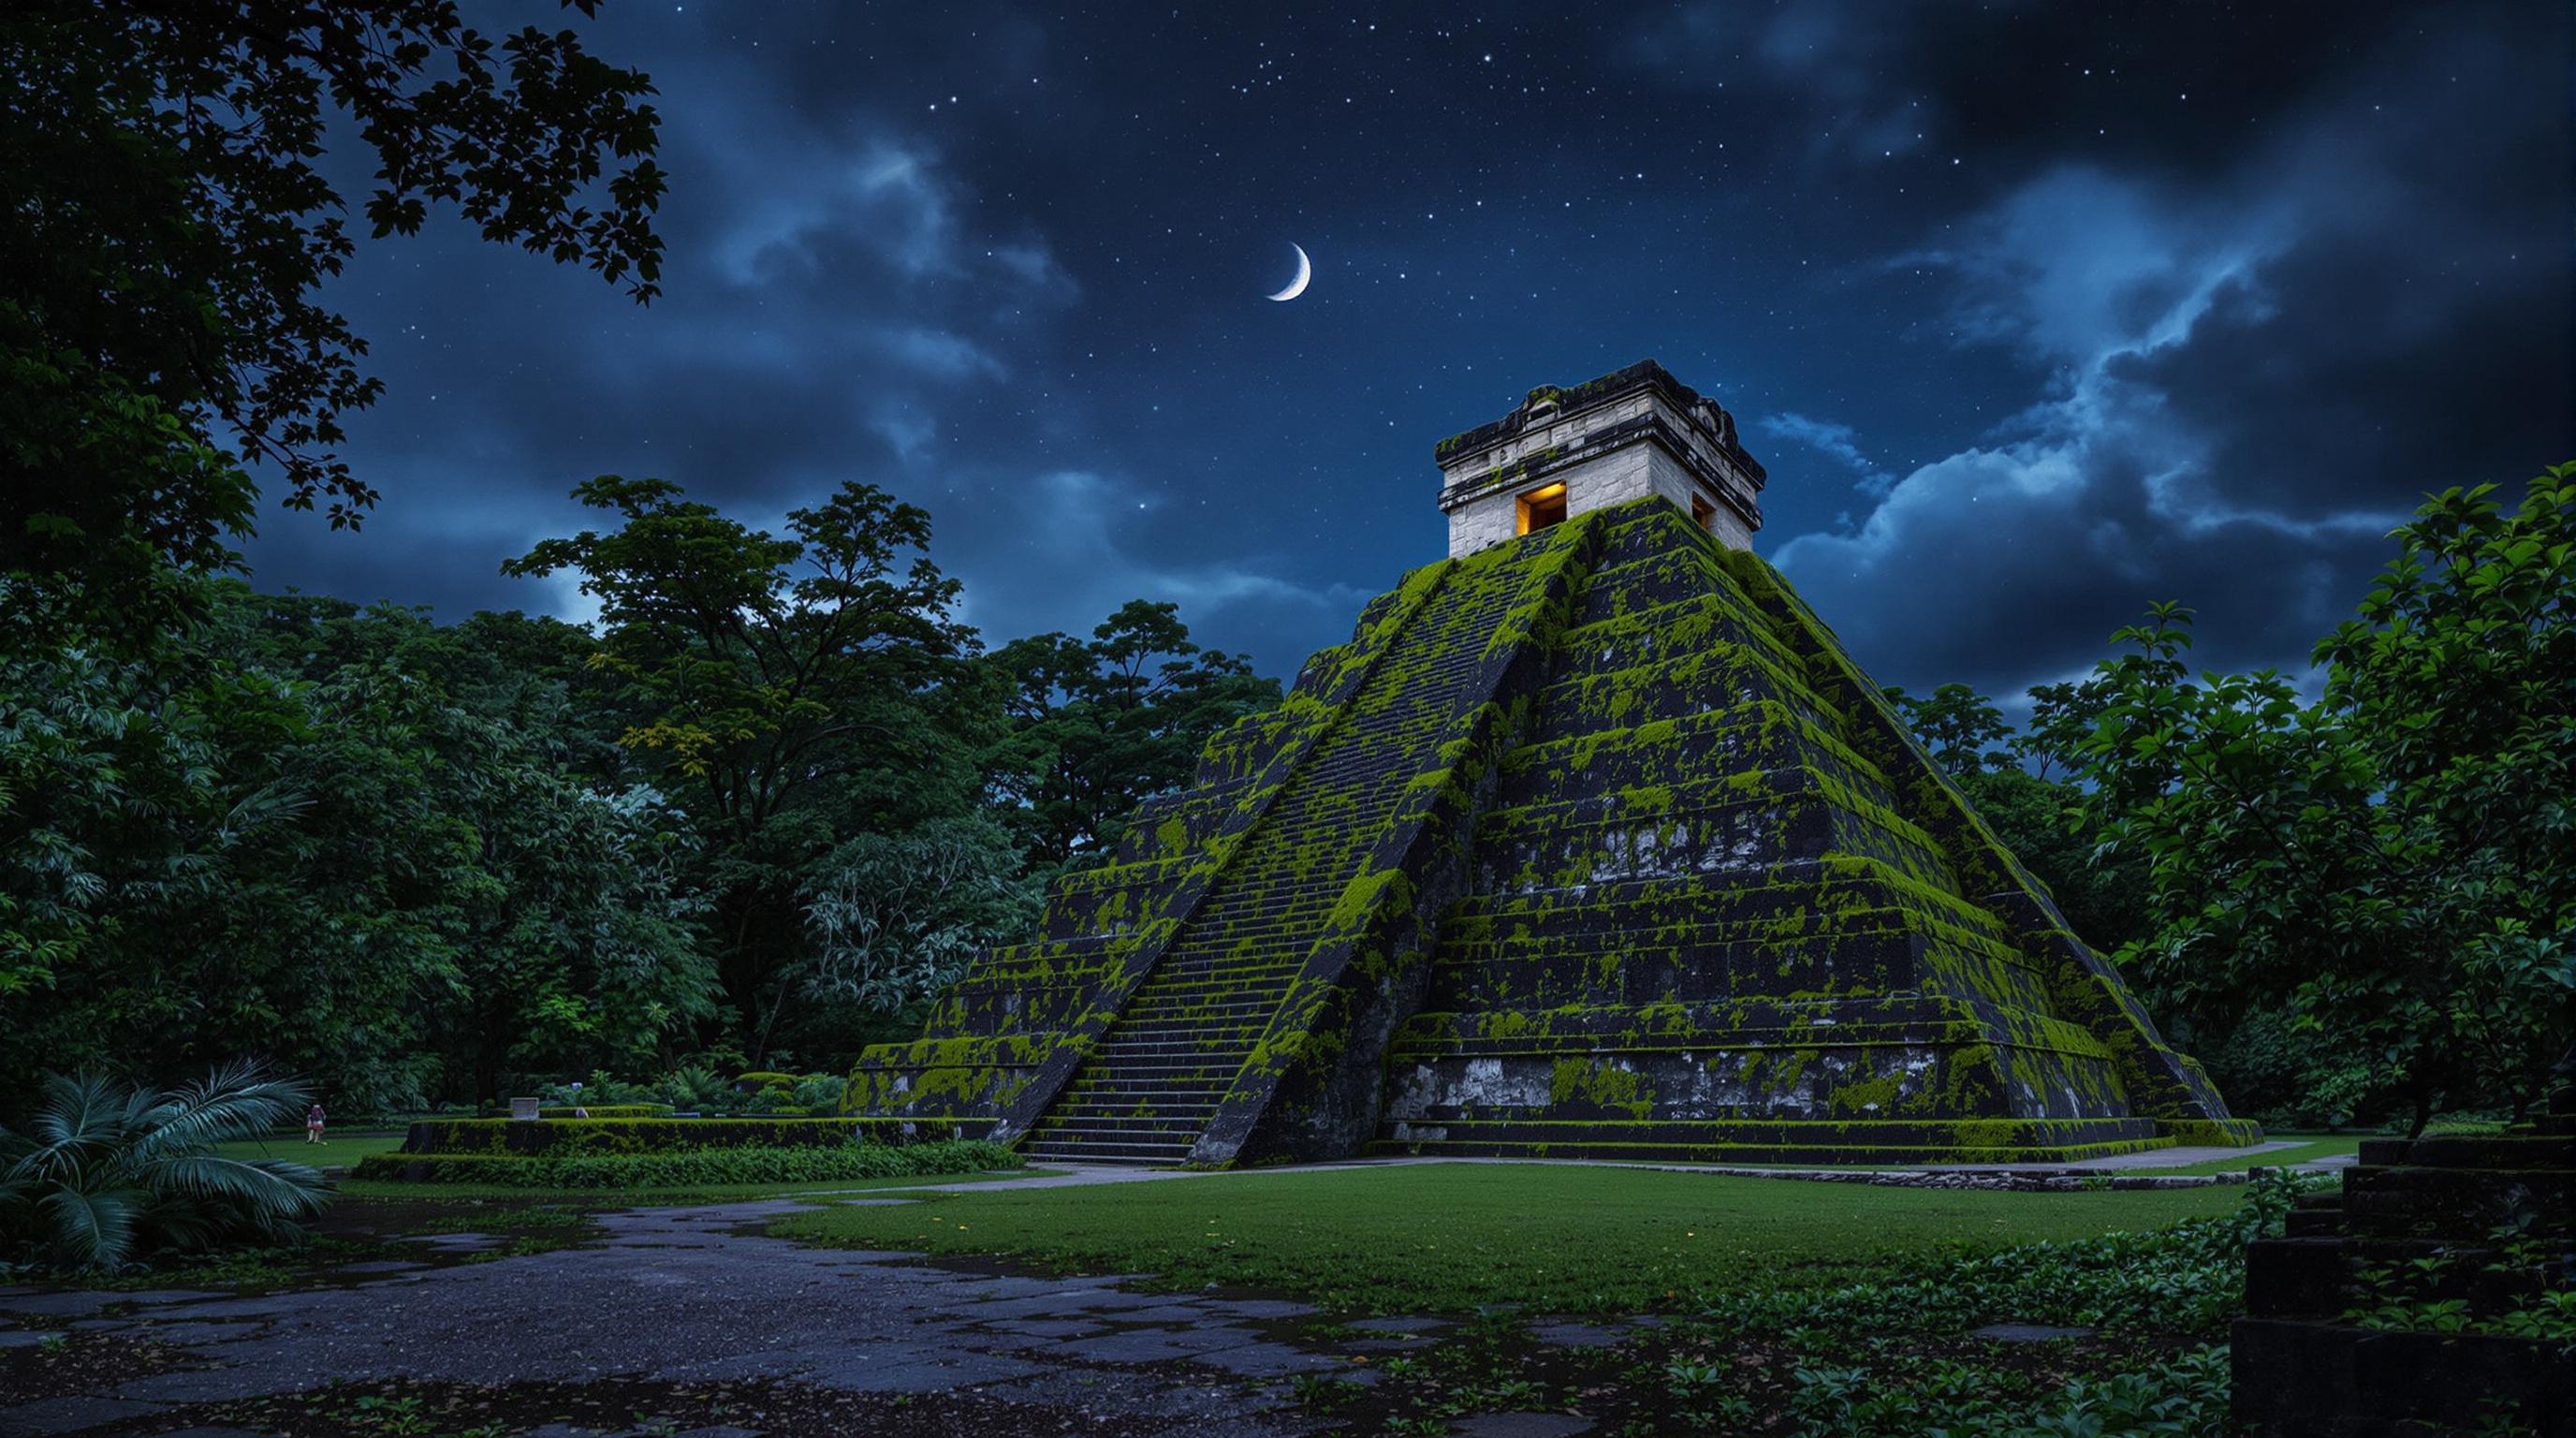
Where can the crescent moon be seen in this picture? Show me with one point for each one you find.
(1305, 272)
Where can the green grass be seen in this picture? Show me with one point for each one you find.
(649, 1197)
(1447, 1238)
(343, 1151)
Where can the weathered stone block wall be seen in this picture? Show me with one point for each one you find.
(2482, 1227)
(1611, 441)
(1590, 842)
(1705, 896)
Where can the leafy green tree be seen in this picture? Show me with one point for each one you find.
(169, 229)
(2062, 717)
(897, 917)
(786, 691)
(212, 854)
(2035, 817)
(1099, 725)
(2458, 679)
(2393, 862)
(1963, 728)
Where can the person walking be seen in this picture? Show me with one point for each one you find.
(313, 1120)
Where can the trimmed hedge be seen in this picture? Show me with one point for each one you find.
(608, 1110)
(701, 1166)
(564, 1138)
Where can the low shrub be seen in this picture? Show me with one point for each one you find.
(2187, 1278)
(608, 1137)
(109, 1175)
(821, 1093)
(606, 1110)
(694, 1168)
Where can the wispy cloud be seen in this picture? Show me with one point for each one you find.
(1838, 442)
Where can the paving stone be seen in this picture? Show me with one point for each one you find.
(1049, 1327)
(23, 1337)
(1152, 1345)
(1261, 1307)
(1167, 1313)
(1271, 1360)
(2026, 1332)
(1007, 1309)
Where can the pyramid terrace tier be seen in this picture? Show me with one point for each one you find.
(1907, 1057)
(1594, 842)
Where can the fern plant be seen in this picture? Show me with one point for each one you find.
(108, 1175)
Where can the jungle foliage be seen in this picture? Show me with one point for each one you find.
(107, 1175)
(752, 813)
(170, 226)
(421, 862)
(2358, 904)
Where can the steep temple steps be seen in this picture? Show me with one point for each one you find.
(1164, 1068)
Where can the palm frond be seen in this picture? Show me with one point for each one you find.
(90, 1230)
(259, 1184)
(78, 1108)
(235, 1101)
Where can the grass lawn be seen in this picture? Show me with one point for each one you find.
(1448, 1237)
(343, 1151)
(644, 1197)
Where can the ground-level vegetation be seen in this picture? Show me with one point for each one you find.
(1769, 1305)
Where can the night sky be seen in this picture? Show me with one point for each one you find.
(2034, 312)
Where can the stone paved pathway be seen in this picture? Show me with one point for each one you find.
(696, 1294)
(700, 1295)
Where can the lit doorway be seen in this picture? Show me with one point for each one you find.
(1542, 507)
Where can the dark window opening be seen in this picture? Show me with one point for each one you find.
(1703, 513)
(1542, 507)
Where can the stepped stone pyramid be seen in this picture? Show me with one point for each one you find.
(1591, 842)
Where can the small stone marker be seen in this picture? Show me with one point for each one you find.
(523, 1108)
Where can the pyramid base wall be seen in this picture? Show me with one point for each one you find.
(1784, 1142)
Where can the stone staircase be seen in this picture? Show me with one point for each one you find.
(1164, 1067)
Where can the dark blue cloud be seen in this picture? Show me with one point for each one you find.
(2034, 311)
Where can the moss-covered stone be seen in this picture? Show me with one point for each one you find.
(1595, 842)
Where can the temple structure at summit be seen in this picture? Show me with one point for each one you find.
(1591, 841)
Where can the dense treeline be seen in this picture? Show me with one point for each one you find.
(2357, 905)
(768, 807)
(760, 810)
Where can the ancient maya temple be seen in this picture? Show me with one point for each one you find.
(1590, 842)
